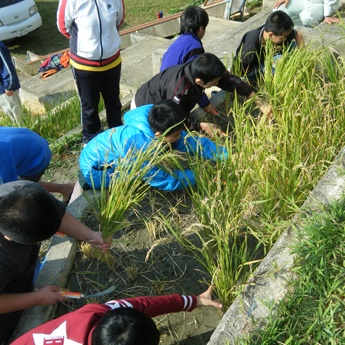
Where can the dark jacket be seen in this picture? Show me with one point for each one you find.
(8, 76)
(251, 53)
(177, 83)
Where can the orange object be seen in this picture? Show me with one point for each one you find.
(64, 60)
(69, 294)
(48, 73)
(60, 234)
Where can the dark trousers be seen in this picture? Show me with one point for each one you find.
(90, 85)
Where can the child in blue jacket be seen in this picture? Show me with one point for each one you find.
(188, 45)
(9, 87)
(143, 125)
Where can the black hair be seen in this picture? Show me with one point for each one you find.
(166, 114)
(29, 215)
(192, 18)
(125, 326)
(207, 67)
(278, 22)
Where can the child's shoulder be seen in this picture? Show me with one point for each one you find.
(10, 187)
(252, 38)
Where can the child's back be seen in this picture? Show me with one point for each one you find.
(188, 45)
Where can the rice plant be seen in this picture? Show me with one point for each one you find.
(270, 168)
(128, 185)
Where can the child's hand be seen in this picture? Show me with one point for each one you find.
(279, 2)
(9, 93)
(49, 295)
(210, 128)
(330, 20)
(266, 109)
(205, 299)
(96, 239)
(210, 109)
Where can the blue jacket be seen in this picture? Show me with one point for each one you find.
(184, 49)
(109, 146)
(8, 76)
(22, 153)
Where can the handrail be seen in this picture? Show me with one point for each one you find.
(162, 20)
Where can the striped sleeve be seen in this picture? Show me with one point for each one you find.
(159, 305)
(6, 73)
(64, 19)
(121, 16)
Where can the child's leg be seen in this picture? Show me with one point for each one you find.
(312, 15)
(133, 105)
(12, 107)
(65, 189)
(293, 9)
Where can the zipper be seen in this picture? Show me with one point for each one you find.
(100, 33)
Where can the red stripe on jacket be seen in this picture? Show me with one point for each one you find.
(61, 19)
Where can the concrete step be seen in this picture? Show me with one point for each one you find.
(137, 60)
(35, 91)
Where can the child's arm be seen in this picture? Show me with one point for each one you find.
(46, 295)
(264, 107)
(72, 227)
(158, 305)
(299, 39)
(64, 17)
(199, 146)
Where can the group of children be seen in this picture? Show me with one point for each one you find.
(30, 214)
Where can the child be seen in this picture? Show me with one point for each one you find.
(9, 87)
(251, 51)
(28, 215)
(26, 155)
(143, 125)
(188, 45)
(185, 84)
(117, 322)
(308, 12)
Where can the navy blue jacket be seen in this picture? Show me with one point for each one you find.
(184, 49)
(8, 76)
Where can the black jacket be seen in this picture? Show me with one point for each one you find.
(251, 53)
(177, 83)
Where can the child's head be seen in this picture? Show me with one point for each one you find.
(29, 214)
(207, 70)
(278, 26)
(194, 19)
(125, 326)
(164, 115)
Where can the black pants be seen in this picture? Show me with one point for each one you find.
(90, 85)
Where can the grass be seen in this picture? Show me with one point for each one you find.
(59, 119)
(314, 313)
(48, 39)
